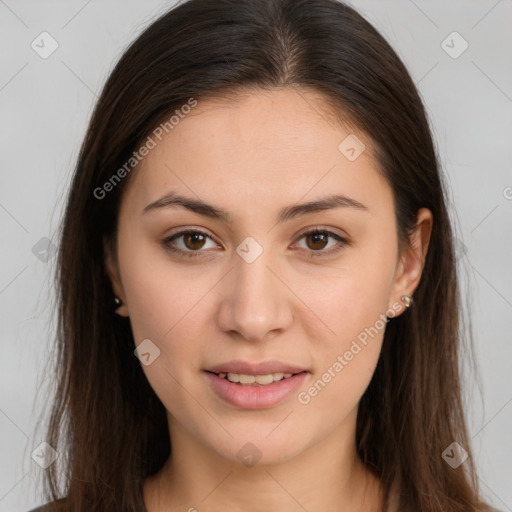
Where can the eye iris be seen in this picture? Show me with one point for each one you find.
(317, 237)
(194, 237)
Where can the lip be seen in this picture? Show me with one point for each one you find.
(254, 396)
(262, 368)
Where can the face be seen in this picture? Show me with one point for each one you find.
(256, 278)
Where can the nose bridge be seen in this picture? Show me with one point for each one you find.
(255, 301)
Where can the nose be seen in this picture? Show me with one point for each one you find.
(255, 301)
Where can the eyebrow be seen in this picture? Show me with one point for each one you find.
(199, 207)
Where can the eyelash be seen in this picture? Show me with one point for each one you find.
(311, 253)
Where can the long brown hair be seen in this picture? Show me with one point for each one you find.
(106, 421)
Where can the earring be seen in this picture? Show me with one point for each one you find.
(407, 300)
(119, 303)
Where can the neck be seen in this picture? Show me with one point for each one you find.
(327, 476)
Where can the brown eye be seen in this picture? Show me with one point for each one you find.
(319, 239)
(188, 243)
(193, 240)
(316, 241)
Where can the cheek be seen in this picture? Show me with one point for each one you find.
(352, 302)
(351, 297)
(161, 295)
(166, 306)
(334, 394)
(344, 362)
(169, 305)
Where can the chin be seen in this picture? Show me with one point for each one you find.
(255, 446)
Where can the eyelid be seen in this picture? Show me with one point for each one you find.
(322, 229)
(185, 230)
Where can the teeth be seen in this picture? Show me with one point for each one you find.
(251, 379)
(244, 379)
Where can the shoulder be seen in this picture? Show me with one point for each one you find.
(488, 508)
(43, 508)
(48, 506)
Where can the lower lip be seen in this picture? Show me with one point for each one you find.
(250, 396)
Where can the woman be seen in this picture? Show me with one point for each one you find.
(259, 306)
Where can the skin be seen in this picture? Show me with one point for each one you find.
(252, 156)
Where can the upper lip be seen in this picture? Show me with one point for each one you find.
(262, 368)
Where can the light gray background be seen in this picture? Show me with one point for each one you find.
(45, 105)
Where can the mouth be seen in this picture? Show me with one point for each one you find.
(252, 388)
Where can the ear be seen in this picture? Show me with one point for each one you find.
(412, 259)
(112, 269)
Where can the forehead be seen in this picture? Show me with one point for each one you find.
(275, 144)
(265, 123)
